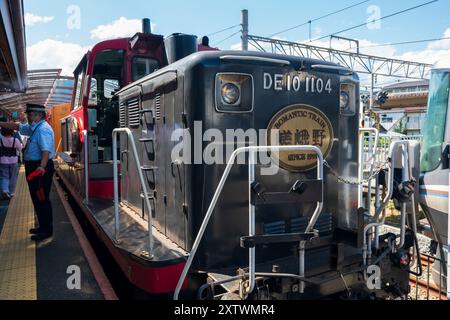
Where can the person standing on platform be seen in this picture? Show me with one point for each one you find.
(39, 167)
(10, 147)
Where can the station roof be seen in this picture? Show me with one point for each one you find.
(45, 87)
(408, 84)
(13, 64)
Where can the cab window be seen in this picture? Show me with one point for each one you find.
(78, 98)
(436, 121)
(142, 66)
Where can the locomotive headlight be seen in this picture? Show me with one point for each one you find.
(230, 93)
(234, 92)
(348, 99)
(345, 100)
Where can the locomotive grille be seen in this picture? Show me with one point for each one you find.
(122, 115)
(275, 228)
(298, 225)
(158, 106)
(324, 224)
(134, 113)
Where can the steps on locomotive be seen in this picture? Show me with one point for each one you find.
(318, 278)
(230, 287)
(134, 233)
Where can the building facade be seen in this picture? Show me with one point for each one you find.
(406, 108)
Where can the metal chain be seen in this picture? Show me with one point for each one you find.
(351, 181)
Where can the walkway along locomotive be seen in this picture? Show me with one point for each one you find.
(180, 214)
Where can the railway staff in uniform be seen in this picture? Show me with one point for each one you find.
(39, 168)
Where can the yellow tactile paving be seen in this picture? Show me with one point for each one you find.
(17, 251)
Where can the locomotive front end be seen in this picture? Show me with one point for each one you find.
(253, 169)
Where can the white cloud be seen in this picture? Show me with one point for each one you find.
(32, 19)
(317, 32)
(54, 54)
(439, 58)
(122, 27)
(441, 44)
(237, 46)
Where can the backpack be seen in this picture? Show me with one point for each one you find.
(8, 151)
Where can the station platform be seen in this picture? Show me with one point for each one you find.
(45, 270)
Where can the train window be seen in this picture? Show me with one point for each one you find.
(79, 87)
(93, 98)
(142, 66)
(78, 91)
(435, 130)
(110, 86)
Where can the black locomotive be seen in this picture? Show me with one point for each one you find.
(308, 233)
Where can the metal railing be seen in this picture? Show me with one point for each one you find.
(370, 160)
(382, 149)
(252, 225)
(376, 222)
(116, 132)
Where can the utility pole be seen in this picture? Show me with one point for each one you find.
(310, 30)
(245, 30)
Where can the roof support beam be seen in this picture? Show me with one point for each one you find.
(360, 63)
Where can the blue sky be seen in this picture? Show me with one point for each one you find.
(202, 17)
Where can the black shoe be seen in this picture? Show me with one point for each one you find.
(5, 196)
(41, 236)
(35, 231)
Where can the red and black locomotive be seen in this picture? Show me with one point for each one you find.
(279, 223)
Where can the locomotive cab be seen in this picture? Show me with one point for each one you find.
(109, 66)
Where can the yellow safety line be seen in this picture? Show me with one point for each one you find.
(17, 251)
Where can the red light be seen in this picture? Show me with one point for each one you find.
(404, 260)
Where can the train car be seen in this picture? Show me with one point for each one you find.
(179, 216)
(56, 114)
(434, 184)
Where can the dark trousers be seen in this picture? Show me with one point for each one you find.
(42, 205)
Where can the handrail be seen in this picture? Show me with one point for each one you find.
(252, 150)
(376, 222)
(376, 133)
(143, 185)
(86, 166)
(390, 192)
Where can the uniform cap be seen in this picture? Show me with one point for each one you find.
(34, 108)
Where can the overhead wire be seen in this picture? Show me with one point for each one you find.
(405, 42)
(319, 18)
(223, 30)
(229, 37)
(379, 19)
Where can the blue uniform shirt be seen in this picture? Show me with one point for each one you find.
(42, 140)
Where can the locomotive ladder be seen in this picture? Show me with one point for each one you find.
(141, 170)
(252, 150)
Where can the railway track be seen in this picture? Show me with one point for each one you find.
(424, 288)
